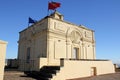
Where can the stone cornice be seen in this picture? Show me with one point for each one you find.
(3, 42)
(35, 24)
(79, 26)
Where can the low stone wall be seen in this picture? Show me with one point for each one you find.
(43, 62)
(83, 68)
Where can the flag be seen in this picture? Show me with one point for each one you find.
(53, 5)
(31, 20)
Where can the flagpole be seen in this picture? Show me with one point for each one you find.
(48, 9)
(28, 22)
(48, 12)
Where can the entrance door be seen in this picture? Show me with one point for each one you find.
(93, 71)
(75, 53)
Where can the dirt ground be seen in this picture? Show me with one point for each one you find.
(114, 76)
(17, 75)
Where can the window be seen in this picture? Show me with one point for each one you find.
(28, 55)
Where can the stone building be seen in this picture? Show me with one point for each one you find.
(3, 45)
(55, 42)
(12, 63)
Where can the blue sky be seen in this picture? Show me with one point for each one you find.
(103, 16)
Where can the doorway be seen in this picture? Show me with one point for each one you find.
(93, 71)
(75, 53)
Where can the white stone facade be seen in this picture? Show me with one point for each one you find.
(53, 38)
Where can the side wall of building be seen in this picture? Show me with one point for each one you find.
(32, 45)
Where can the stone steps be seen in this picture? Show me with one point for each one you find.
(45, 73)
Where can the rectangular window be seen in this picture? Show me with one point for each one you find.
(28, 55)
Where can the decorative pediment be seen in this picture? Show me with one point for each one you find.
(75, 37)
